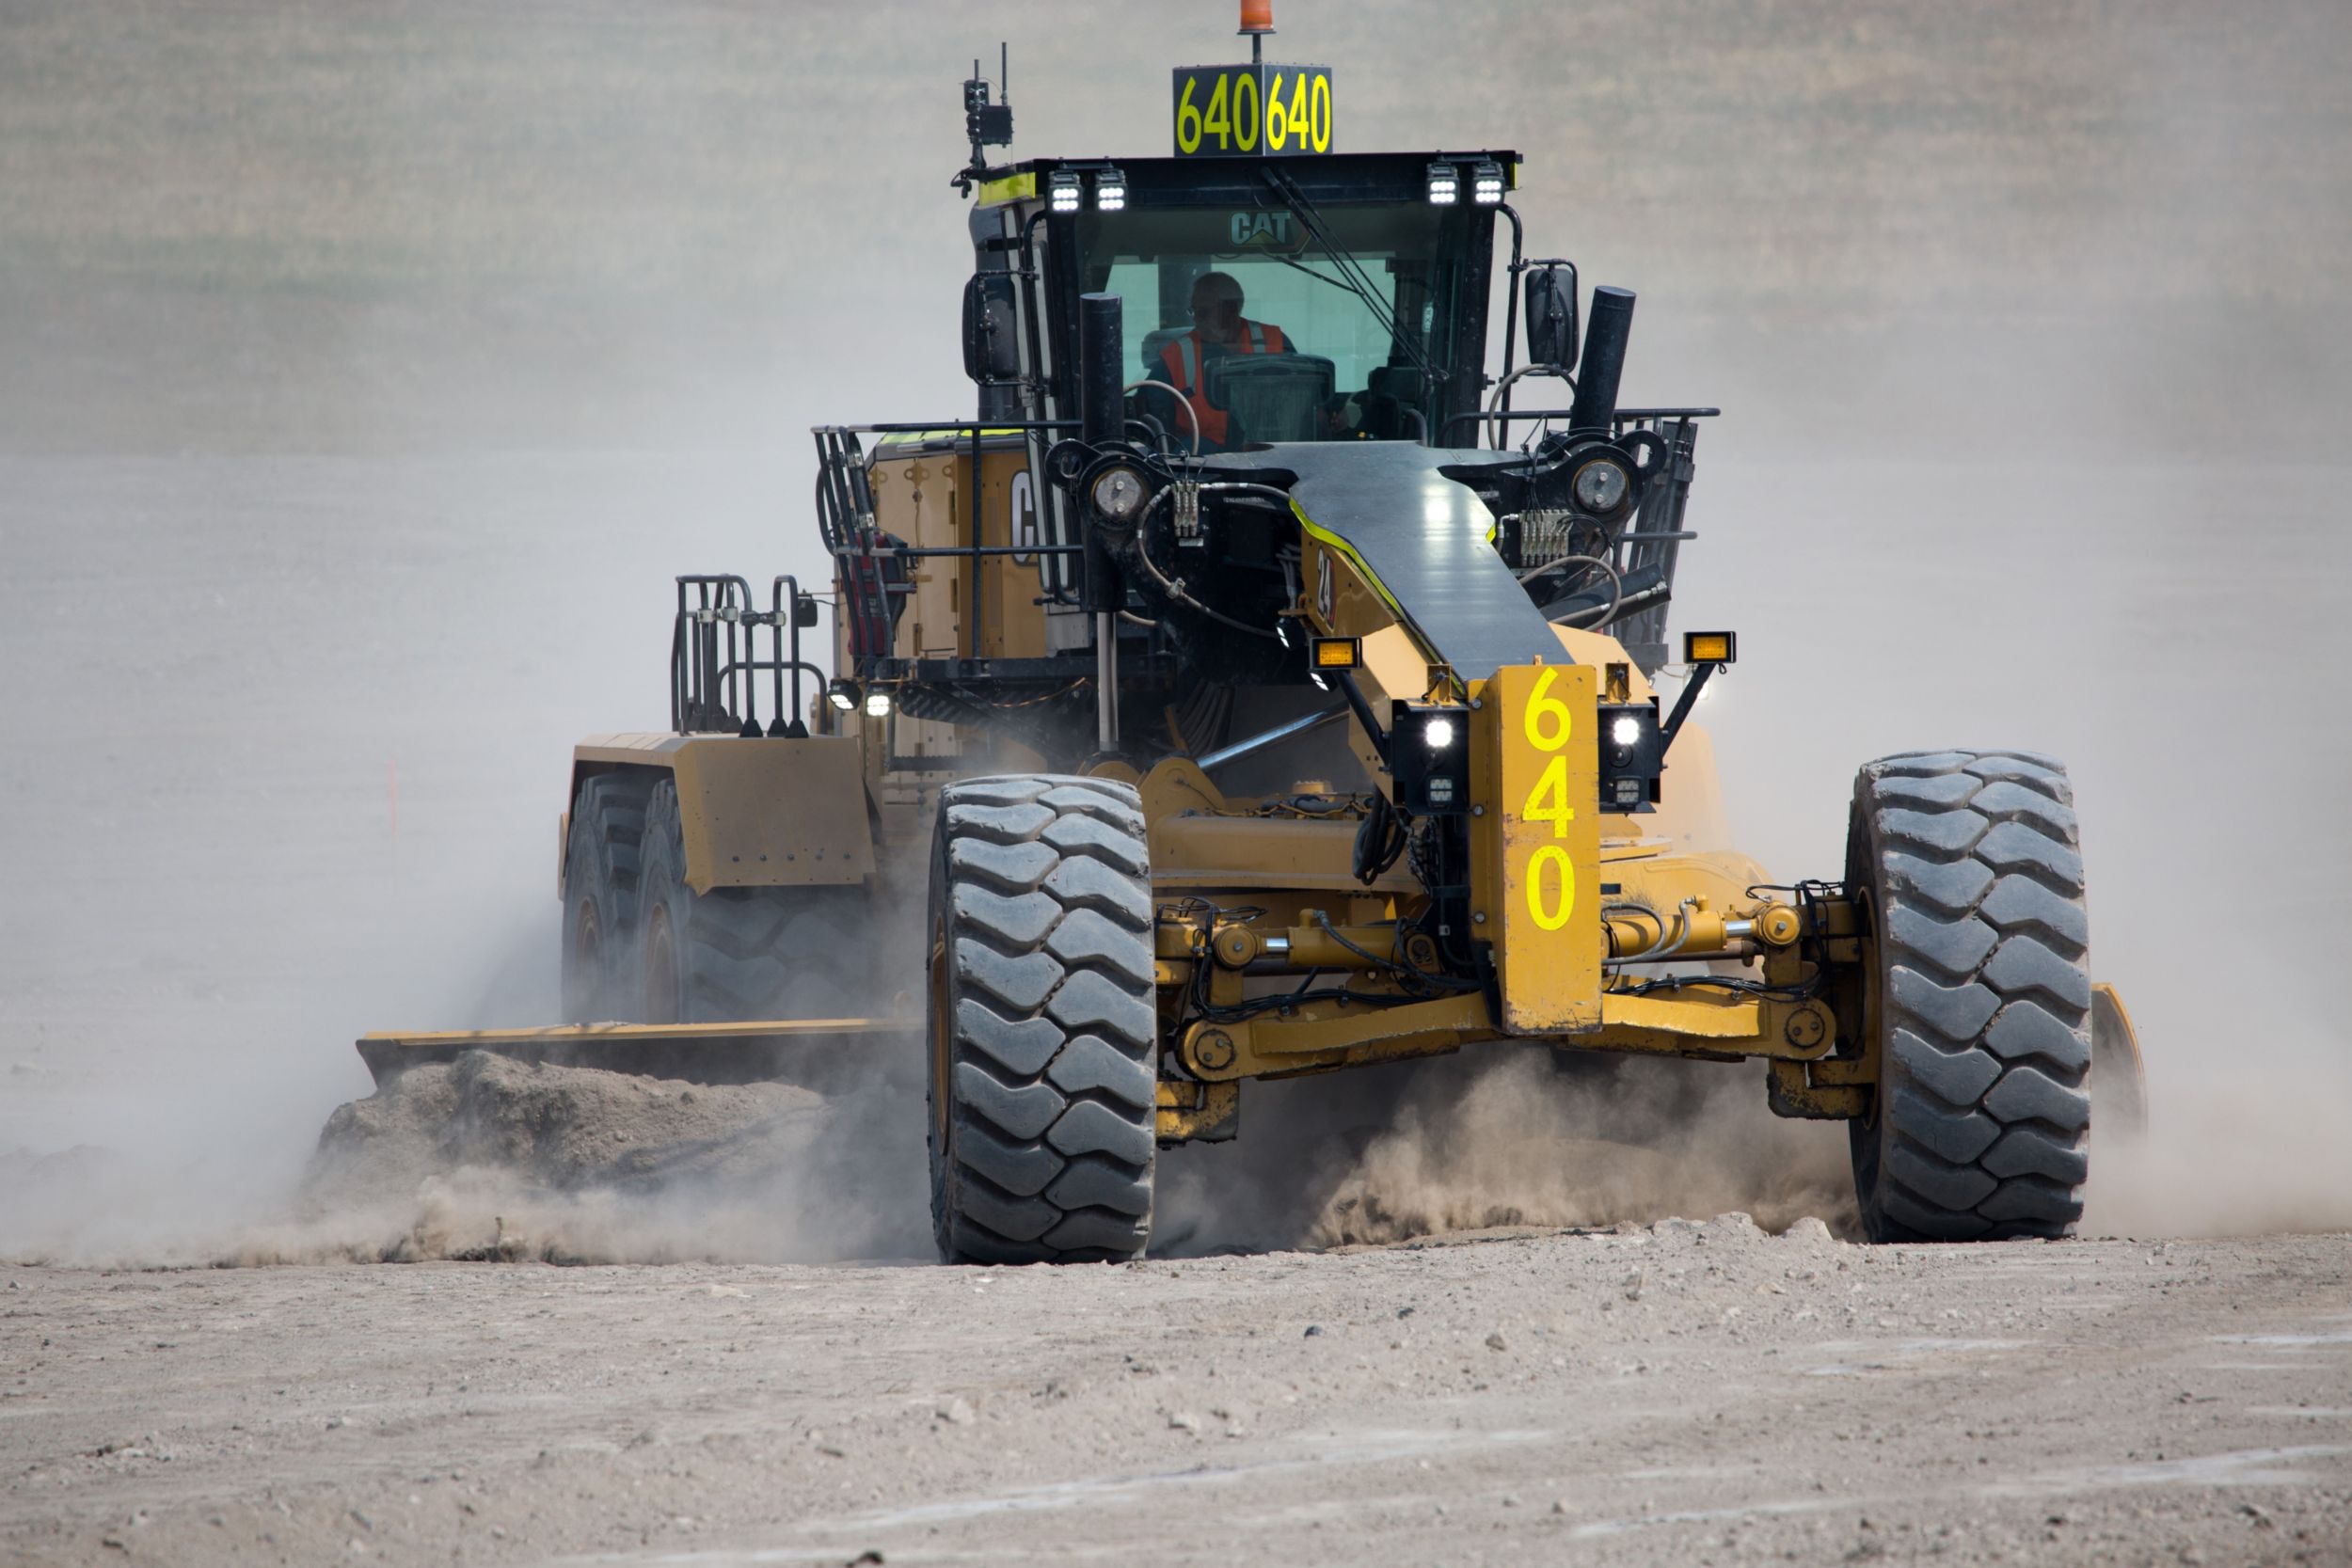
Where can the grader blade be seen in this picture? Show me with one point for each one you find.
(706, 1053)
(2119, 1077)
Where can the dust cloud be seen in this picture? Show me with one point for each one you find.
(363, 380)
(1498, 1138)
(488, 1158)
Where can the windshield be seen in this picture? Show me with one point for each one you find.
(1364, 338)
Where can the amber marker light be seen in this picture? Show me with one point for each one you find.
(1709, 647)
(1338, 653)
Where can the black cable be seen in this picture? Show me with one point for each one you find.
(1803, 992)
(1381, 838)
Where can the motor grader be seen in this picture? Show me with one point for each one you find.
(1224, 705)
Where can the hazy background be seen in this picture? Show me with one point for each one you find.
(366, 371)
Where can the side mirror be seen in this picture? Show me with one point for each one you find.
(992, 349)
(1551, 325)
(804, 610)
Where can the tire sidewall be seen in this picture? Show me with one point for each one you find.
(1866, 871)
(942, 994)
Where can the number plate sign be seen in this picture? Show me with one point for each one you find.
(1537, 862)
(1252, 111)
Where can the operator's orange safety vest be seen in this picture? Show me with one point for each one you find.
(1181, 360)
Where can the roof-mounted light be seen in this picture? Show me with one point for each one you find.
(1445, 184)
(1110, 191)
(1064, 190)
(1486, 182)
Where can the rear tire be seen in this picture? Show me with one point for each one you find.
(1042, 1026)
(1980, 1128)
(738, 953)
(601, 865)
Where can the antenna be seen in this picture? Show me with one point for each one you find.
(985, 125)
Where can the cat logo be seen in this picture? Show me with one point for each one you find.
(1024, 500)
(1266, 231)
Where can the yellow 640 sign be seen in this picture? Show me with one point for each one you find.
(1546, 776)
(1550, 724)
(1241, 111)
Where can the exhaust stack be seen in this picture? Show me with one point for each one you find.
(1603, 365)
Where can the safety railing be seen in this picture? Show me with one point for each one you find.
(715, 662)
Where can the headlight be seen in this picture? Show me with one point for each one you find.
(1438, 732)
(1119, 495)
(1625, 730)
(877, 705)
(842, 697)
(1601, 485)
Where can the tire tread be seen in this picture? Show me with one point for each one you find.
(1983, 1109)
(1042, 893)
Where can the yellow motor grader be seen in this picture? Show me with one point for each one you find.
(1251, 690)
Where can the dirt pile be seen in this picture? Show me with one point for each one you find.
(562, 1127)
(488, 1157)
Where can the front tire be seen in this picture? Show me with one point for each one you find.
(1042, 1028)
(1980, 1128)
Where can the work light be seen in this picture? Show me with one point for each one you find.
(1064, 190)
(1486, 182)
(877, 705)
(1118, 494)
(1601, 486)
(1428, 765)
(1110, 191)
(1445, 184)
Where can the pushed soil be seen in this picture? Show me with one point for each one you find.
(564, 1127)
(487, 1158)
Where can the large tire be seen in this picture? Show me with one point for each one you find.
(600, 876)
(737, 953)
(1042, 1028)
(1980, 1128)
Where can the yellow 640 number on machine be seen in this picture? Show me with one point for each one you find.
(1240, 111)
(1550, 886)
(1546, 778)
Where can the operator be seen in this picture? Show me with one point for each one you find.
(1218, 328)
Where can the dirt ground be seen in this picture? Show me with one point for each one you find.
(1680, 1393)
(364, 378)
